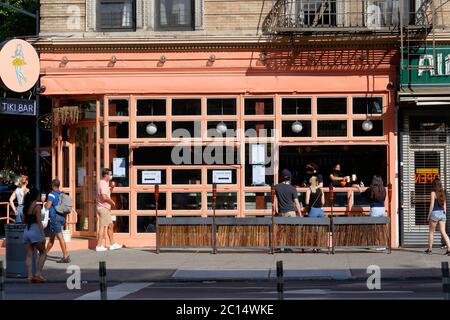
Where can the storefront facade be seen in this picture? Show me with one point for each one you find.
(148, 117)
(424, 135)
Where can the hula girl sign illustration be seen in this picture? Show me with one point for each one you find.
(18, 62)
(19, 65)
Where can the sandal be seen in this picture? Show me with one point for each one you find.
(39, 279)
(428, 251)
(64, 260)
(447, 253)
(30, 280)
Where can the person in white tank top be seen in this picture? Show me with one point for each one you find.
(19, 195)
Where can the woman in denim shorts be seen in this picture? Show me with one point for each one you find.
(437, 210)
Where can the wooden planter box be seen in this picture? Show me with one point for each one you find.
(184, 232)
(301, 232)
(361, 232)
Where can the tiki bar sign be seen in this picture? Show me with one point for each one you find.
(426, 67)
(19, 65)
(18, 107)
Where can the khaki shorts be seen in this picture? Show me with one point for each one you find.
(289, 214)
(104, 217)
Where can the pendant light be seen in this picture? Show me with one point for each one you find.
(297, 126)
(221, 126)
(151, 128)
(367, 125)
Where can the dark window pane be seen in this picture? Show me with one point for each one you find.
(191, 176)
(183, 155)
(332, 128)
(233, 175)
(146, 201)
(224, 201)
(212, 131)
(258, 106)
(116, 14)
(187, 201)
(376, 131)
(331, 105)
(186, 107)
(151, 107)
(258, 128)
(122, 201)
(141, 129)
(118, 130)
(288, 132)
(186, 129)
(146, 224)
(296, 105)
(119, 107)
(175, 15)
(66, 167)
(122, 224)
(221, 107)
(139, 176)
(340, 199)
(119, 151)
(373, 105)
(258, 200)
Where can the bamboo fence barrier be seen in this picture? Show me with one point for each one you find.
(300, 235)
(242, 236)
(185, 235)
(352, 235)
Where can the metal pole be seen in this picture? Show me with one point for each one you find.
(445, 280)
(2, 281)
(331, 219)
(272, 233)
(156, 218)
(103, 287)
(390, 218)
(38, 142)
(213, 229)
(280, 280)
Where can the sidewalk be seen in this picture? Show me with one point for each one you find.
(135, 265)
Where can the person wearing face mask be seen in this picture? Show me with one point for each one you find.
(311, 170)
(104, 205)
(336, 178)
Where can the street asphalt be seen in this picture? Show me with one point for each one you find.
(144, 265)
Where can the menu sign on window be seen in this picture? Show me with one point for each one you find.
(222, 176)
(426, 175)
(151, 177)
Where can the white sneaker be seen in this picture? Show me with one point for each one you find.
(115, 246)
(101, 248)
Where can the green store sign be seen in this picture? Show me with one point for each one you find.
(426, 67)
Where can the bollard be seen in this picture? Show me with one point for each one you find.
(280, 280)
(2, 281)
(445, 280)
(103, 288)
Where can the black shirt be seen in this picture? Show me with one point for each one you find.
(286, 194)
(336, 183)
(315, 199)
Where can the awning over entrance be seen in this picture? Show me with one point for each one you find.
(424, 96)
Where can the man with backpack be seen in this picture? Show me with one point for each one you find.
(59, 204)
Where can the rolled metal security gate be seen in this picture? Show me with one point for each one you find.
(424, 154)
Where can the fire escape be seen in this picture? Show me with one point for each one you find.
(407, 24)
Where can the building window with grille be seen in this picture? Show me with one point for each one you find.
(175, 15)
(116, 15)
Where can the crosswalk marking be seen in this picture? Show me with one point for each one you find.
(117, 292)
